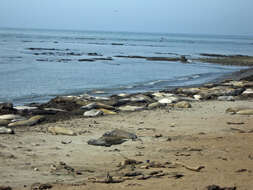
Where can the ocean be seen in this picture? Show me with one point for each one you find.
(37, 65)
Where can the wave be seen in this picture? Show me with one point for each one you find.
(158, 84)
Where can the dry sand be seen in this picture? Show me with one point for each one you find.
(198, 136)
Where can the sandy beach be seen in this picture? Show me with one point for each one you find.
(126, 95)
(179, 148)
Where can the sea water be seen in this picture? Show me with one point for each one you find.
(37, 65)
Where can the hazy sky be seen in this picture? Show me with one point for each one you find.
(170, 16)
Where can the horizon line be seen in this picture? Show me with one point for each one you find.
(123, 31)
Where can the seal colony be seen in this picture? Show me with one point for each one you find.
(68, 107)
(187, 138)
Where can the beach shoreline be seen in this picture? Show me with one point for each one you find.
(187, 138)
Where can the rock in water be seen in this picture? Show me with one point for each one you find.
(93, 113)
(30, 122)
(4, 130)
(114, 137)
(183, 59)
(60, 131)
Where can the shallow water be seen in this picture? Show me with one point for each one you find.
(36, 65)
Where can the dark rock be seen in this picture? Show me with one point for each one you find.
(43, 112)
(117, 44)
(94, 54)
(158, 135)
(42, 60)
(6, 105)
(73, 54)
(163, 59)
(248, 78)
(216, 187)
(103, 59)
(227, 60)
(44, 49)
(212, 55)
(241, 170)
(175, 175)
(59, 108)
(5, 188)
(183, 59)
(133, 174)
(132, 57)
(86, 60)
(45, 186)
(64, 60)
(7, 108)
(61, 102)
(39, 186)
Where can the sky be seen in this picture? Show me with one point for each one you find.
(163, 16)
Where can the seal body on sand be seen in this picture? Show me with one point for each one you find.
(113, 137)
